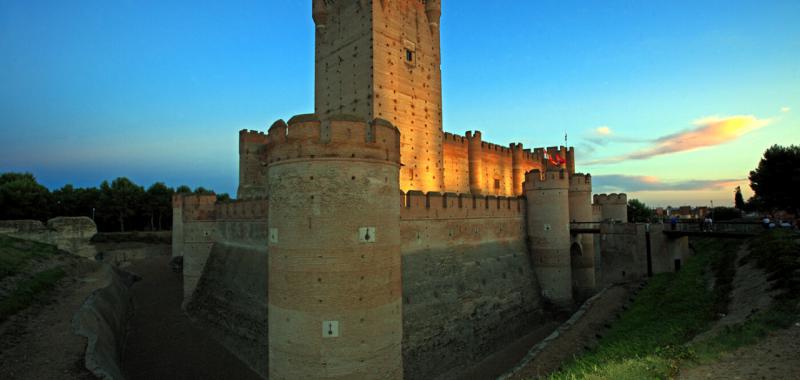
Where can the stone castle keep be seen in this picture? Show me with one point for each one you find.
(365, 242)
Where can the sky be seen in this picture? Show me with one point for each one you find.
(672, 102)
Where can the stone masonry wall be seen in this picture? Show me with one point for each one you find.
(230, 300)
(468, 284)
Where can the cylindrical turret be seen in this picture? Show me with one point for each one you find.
(334, 250)
(475, 162)
(319, 12)
(570, 160)
(614, 207)
(582, 248)
(547, 207)
(517, 172)
(252, 175)
(433, 9)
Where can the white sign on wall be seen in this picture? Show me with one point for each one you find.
(330, 329)
(273, 235)
(366, 235)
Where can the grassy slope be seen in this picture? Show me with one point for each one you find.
(17, 254)
(650, 340)
(19, 257)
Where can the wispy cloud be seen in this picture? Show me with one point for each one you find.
(785, 109)
(707, 132)
(620, 182)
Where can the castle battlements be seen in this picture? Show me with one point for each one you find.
(580, 182)
(450, 137)
(195, 207)
(547, 180)
(250, 209)
(307, 136)
(610, 199)
(434, 205)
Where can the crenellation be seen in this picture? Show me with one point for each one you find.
(318, 200)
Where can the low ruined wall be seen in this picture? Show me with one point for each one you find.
(230, 299)
(103, 321)
(468, 283)
(71, 234)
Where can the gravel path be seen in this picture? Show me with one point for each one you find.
(162, 343)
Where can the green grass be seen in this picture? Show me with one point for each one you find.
(16, 254)
(649, 340)
(28, 291)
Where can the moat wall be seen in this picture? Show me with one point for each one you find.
(468, 283)
(230, 299)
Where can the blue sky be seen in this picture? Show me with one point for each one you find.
(671, 101)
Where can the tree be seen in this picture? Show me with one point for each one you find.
(22, 197)
(738, 199)
(183, 189)
(224, 197)
(726, 213)
(776, 180)
(639, 212)
(158, 203)
(203, 191)
(122, 198)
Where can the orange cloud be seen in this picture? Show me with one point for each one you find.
(708, 132)
(621, 182)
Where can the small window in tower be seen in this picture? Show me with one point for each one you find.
(497, 184)
(410, 53)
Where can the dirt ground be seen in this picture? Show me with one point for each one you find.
(580, 335)
(750, 294)
(162, 343)
(500, 362)
(39, 343)
(776, 357)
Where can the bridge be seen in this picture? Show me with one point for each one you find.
(684, 228)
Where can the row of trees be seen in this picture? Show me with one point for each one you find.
(120, 205)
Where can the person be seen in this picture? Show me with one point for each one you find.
(765, 222)
(673, 222)
(702, 224)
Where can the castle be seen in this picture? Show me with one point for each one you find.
(365, 242)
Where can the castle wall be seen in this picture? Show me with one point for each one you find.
(196, 225)
(623, 248)
(497, 170)
(408, 92)
(456, 163)
(468, 284)
(381, 60)
(252, 175)
(230, 300)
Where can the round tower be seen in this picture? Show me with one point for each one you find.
(517, 172)
(547, 207)
(475, 162)
(613, 207)
(582, 247)
(334, 249)
(252, 176)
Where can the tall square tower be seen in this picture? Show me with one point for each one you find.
(381, 59)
